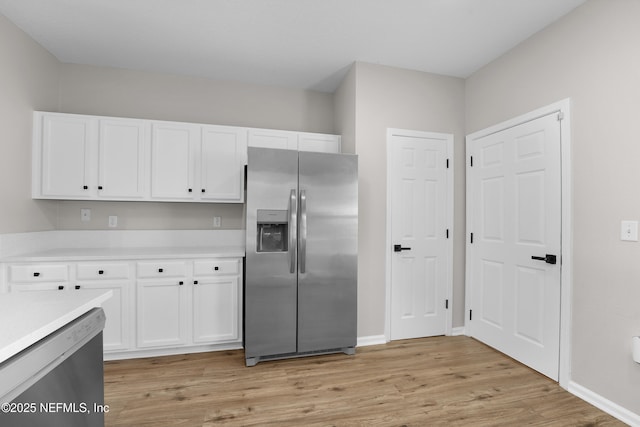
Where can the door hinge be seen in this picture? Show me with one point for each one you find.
(446, 304)
(560, 116)
(472, 238)
(447, 163)
(470, 314)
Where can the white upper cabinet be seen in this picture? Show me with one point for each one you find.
(319, 142)
(122, 150)
(86, 157)
(222, 158)
(197, 162)
(61, 152)
(267, 138)
(289, 140)
(80, 157)
(173, 147)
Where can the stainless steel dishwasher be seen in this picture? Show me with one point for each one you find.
(57, 381)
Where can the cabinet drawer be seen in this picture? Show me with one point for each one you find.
(213, 267)
(38, 273)
(104, 271)
(160, 269)
(22, 287)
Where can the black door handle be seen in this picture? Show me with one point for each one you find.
(549, 259)
(399, 248)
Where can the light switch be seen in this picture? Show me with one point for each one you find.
(629, 231)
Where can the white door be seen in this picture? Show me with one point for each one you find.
(173, 147)
(215, 310)
(121, 158)
(514, 201)
(221, 163)
(421, 197)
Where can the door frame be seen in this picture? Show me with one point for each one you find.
(448, 138)
(566, 277)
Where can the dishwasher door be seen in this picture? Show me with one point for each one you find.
(59, 380)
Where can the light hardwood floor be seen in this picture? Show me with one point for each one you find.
(439, 381)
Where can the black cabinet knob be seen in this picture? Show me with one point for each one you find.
(216, 268)
(85, 187)
(160, 270)
(60, 287)
(100, 271)
(195, 282)
(202, 190)
(77, 286)
(190, 190)
(99, 187)
(36, 274)
(181, 283)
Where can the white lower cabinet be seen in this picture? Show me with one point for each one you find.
(158, 306)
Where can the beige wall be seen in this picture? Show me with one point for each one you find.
(344, 111)
(126, 93)
(28, 81)
(592, 56)
(387, 97)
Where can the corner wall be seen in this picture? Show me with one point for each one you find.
(28, 81)
(387, 97)
(591, 56)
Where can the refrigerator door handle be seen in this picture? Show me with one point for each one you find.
(303, 231)
(293, 228)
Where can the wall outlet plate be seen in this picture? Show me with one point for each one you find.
(85, 215)
(113, 221)
(217, 221)
(629, 231)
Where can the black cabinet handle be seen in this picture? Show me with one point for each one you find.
(190, 190)
(181, 283)
(160, 270)
(100, 271)
(99, 187)
(36, 274)
(216, 268)
(77, 286)
(60, 287)
(85, 187)
(202, 190)
(399, 248)
(195, 282)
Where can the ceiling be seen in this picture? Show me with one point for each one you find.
(308, 44)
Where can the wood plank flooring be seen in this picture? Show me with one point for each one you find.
(439, 381)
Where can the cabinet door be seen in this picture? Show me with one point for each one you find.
(121, 155)
(221, 164)
(216, 310)
(117, 331)
(173, 148)
(318, 142)
(268, 138)
(161, 313)
(66, 151)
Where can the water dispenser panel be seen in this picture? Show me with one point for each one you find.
(273, 229)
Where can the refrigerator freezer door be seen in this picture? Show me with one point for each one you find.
(327, 289)
(271, 288)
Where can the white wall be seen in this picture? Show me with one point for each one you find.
(387, 97)
(592, 56)
(28, 81)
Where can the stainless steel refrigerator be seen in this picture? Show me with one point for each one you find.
(301, 254)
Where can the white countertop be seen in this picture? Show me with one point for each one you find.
(105, 254)
(27, 317)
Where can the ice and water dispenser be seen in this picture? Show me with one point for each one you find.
(273, 228)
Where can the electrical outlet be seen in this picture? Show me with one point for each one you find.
(629, 231)
(216, 221)
(85, 215)
(113, 221)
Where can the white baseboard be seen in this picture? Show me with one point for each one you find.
(458, 331)
(371, 340)
(605, 405)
